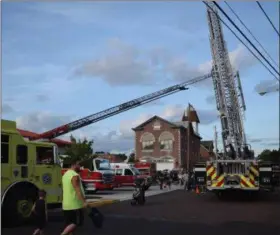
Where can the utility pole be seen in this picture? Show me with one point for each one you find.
(189, 135)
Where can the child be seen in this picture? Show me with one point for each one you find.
(40, 213)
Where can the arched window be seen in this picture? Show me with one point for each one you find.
(148, 141)
(166, 140)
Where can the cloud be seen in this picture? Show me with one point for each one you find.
(264, 141)
(41, 121)
(210, 99)
(267, 86)
(182, 70)
(42, 98)
(6, 108)
(124, 65)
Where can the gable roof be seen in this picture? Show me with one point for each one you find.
(208, 144)
(173, 124)
(151, 119)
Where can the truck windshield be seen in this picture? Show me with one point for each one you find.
(135, 171)
(102, 164)
(45, 155)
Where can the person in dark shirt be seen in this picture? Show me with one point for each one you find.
(40, 213)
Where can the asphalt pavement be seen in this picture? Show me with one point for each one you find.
(181, 212)
(125, 193)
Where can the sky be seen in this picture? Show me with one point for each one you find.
(65, 60)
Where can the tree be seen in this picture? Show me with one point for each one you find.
(80, 149)
(268, 155)
(132, 158)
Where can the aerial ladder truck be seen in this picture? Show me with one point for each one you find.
(236, 169)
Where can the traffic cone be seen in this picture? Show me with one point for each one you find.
(197, 190)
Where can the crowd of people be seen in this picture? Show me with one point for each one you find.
(166, 178)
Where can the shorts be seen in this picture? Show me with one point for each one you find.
(74, 217)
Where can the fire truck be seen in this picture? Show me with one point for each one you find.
(236, 169)
(96, 174)
(29, 165)
(26, 167)
(146, 168)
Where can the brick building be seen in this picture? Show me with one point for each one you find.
(206, 150)
(166, 143)
(61, 144)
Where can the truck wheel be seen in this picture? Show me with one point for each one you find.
(17, 205)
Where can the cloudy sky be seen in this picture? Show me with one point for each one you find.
(63, 61)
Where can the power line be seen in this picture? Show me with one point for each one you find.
(275, 63)
(241, 41)
(267, 17)
(248, 40)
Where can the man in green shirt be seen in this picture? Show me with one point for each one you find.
(73, 198)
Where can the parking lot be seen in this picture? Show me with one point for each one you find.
(180, 212)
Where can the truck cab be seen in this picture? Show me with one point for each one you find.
(26, 167)
(96, 174)
(125, 174)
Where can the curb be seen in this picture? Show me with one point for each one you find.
(104, 202)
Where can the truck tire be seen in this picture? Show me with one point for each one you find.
(17, 205)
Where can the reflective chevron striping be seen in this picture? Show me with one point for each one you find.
(245, 182)
(220, 182)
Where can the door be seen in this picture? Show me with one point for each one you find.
(165, 165)
(119, 178)
(47, 172)
(129, 177)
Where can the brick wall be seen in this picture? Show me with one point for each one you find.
(157, 152)
(179, 151)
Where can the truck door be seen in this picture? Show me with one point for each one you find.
(119, 178)
(6, 173)
(48, 173)
(128, 175)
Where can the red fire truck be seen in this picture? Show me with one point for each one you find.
(96, 174)
(146, 168)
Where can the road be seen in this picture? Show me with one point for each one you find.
(125, 193)
(181, 212)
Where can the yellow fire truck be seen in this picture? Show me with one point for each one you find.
(26, 167)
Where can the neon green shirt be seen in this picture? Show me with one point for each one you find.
(70, 198)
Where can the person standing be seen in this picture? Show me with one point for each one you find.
(74, 200)
(186, 180)
(39, 211)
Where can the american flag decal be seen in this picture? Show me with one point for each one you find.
(47, 178)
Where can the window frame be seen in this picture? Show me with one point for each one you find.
(127, 169)
(5, 141)
(120, 170)
(25, 162)
(41, 162)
